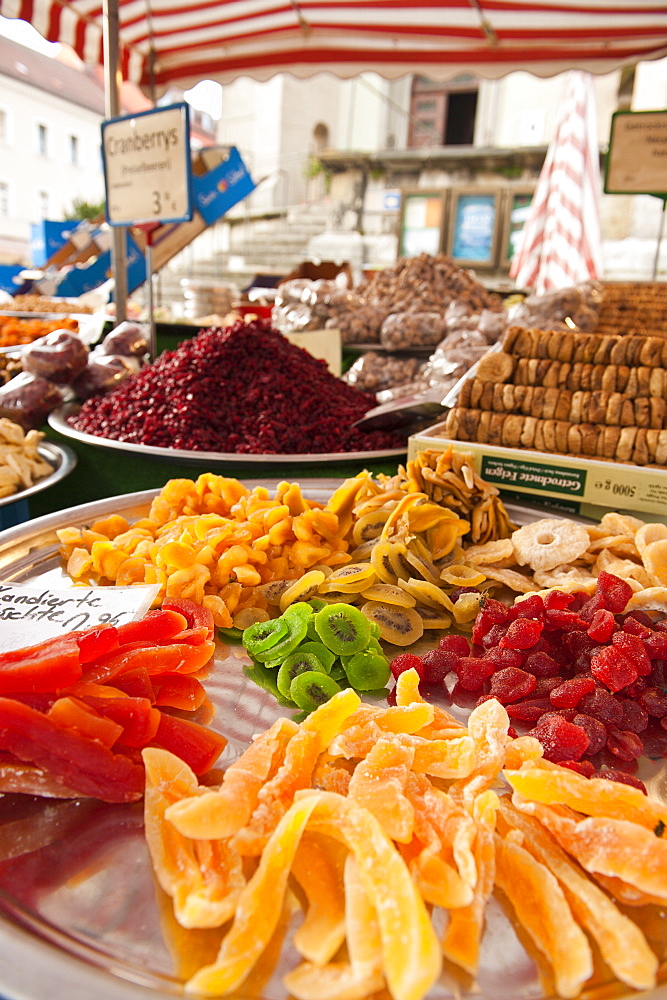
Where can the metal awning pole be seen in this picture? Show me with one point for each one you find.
(111, 35)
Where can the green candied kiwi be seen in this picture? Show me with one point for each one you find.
(261, 636)
(296, 663)
(318, 649)
(317, 603)
(296, 631)
(311, 688)
(299, 608)
(266, 679)
(343, 629)
(231, 634)
(367, 671)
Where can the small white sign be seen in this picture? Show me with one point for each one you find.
(147, 167)
(30, 614)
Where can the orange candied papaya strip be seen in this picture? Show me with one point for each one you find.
(222, 813)
(610, 847)
(203, 878)
(544, 913)
(622, 944)
(318, 868)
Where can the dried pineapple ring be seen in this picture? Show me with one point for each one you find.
(654, 558)
(648, 533)
(462, 576)
(549, 542)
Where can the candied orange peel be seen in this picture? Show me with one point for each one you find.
(385, 818)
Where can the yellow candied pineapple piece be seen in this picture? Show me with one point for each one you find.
(555, 785)
(318, 868)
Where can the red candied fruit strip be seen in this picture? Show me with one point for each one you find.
(511, 684)
(522, 634)
(602, 626)
(473, 671)
(594, 729)
(560, 739)
(545, 685)
(557, 618)
(455, 644)
(491, 613)
(491, 639)
(624, 744)
(610, 774)
(633, 647)
(658, 674)
(407, 661)
(570, 692)
(633, 626)
(602, 705)
(616, 592)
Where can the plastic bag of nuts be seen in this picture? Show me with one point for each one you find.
(358, 326)
(412, 329)
(373, 372)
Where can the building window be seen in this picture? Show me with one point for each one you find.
(42, 140)
(442, 114)
(4, 200)
(74, 150)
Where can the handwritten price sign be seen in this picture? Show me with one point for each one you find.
(147, 166)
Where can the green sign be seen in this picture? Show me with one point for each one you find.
(531, 476)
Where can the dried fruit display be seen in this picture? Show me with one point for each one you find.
(395, 821)
(15, 331)
(242, 389)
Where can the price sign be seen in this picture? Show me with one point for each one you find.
(147, 166)
(637, 157)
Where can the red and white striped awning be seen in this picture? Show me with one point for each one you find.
(179, 42)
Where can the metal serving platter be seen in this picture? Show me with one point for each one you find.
(58, 420)
(63, 460)
(80, 913)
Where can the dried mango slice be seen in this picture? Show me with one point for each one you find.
(613, 847)
(378, 783)
(410, 950)
(318, 868)
(543, 911)
(258, 907)
(621, 942)
(591, 796)
(203, 877)
(407, 693)
(222, 813)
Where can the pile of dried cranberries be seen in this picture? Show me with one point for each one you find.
(243, 389)
(588, 677)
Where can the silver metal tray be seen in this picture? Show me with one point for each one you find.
(59, 422)
(63, 460)
(80, 913)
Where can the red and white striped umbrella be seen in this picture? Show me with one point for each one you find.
(561, 242)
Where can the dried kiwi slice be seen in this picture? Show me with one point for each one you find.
(300, 608)
(400, 626)
(343, 629)
(296, 631)
(312, 688)
(367, 670)
(266, 679)
(318, 649)
(296, 663)
(261, 636)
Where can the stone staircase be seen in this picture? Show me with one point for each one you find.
(238, 249)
